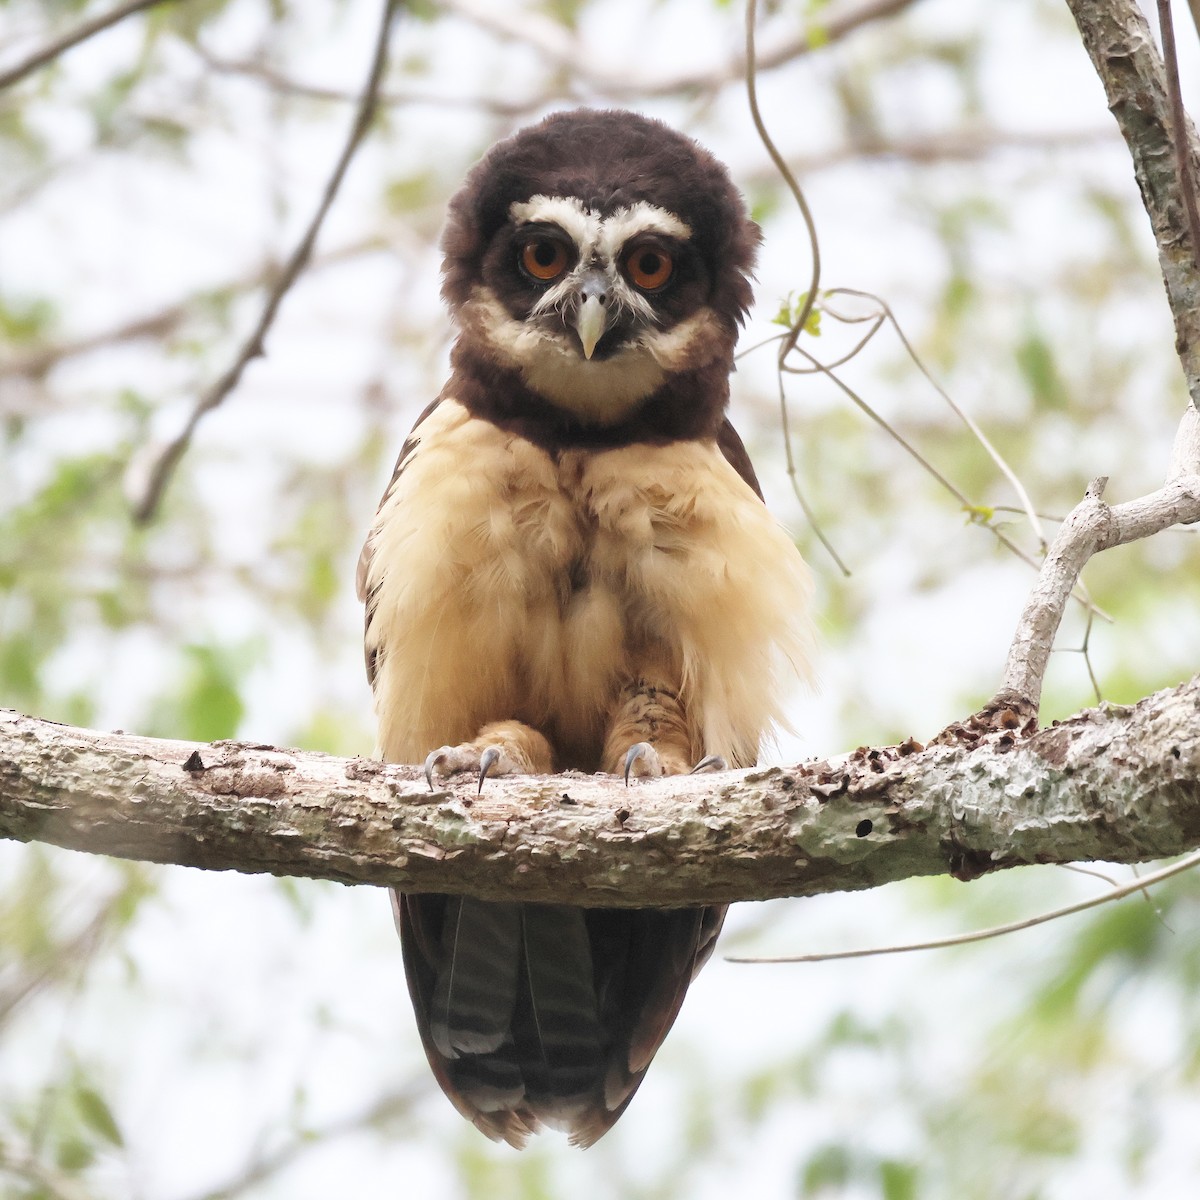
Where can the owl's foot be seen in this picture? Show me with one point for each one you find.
(651, 764)
(502, 748)
(469, 757)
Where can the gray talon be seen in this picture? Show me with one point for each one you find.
(432, 759)
(487, 760)
(636, 751)
(710, 762)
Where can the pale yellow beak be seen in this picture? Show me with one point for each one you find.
(590, 322)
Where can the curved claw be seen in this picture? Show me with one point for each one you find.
(487, 760)
(710, 762)
(432, 759)
(636, 751)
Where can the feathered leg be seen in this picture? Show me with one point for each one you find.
(649, 733)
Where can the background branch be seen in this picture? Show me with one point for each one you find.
(84, 30)
(166, 462)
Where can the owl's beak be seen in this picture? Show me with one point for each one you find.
(594, 312)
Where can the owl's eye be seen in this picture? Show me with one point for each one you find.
(543, 258)
(648, 268)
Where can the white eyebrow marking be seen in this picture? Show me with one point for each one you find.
(641, 217)
(589, 231)
(579, 223)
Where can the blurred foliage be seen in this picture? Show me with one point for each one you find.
(164, 1035)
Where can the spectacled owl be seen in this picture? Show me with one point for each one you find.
(572, 567)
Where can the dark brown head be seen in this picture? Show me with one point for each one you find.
(598, 254)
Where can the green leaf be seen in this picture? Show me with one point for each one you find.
(211, 706)
(790, 310)
(898, 1180)
(830, 1167)
(23, 321)
(97, 1116)
(1036, 362)
(74, 1154)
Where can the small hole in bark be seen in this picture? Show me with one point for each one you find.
(863, 828)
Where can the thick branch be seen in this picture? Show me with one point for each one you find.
(1120, 784)
(1121, 48)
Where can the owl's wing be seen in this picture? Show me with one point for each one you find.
(731, 446)
(363, 571)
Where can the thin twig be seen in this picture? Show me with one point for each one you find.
(77, 950)
(1085, 650)
(968, 144)
(564, 54)
(168, 459)
(394, 97)
(877, 322)
(388, 1107)
(906, 445)
(809, 515)
(81, 33)
(790, 338)
(45, 1179)
(817, 367)
(788, 178)
(963, 416)
(979, 935)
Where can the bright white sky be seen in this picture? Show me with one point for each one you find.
(222, 957)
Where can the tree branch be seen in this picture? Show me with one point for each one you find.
(1122, 50)
(35, 362)
(81, 33)
(1117, 784)
(558, 47)
(166, 462)
(1091, 527)
(577, 78)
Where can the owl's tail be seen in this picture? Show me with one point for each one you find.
(546, 1015)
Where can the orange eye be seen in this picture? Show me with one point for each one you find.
(544, 258)
(648, 268)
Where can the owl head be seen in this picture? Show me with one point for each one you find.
(599, 254)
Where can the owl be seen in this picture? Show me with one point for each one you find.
(572, 568)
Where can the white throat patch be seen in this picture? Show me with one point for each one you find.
(599, 391)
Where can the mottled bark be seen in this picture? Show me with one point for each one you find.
(1121, 47)
(1120, 784)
